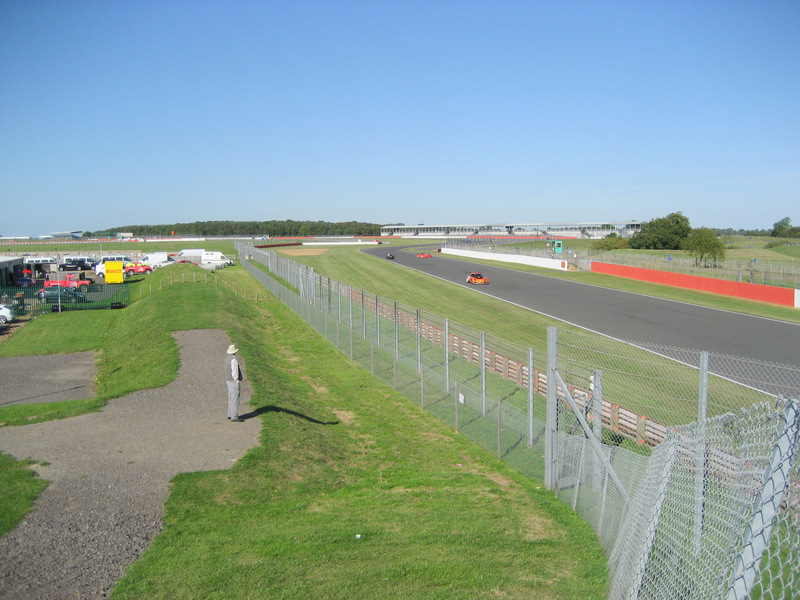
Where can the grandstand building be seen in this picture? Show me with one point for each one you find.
(541, 230)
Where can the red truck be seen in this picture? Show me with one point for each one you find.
(68, 281)
(136, 268)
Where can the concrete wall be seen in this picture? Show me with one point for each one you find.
(536, 261)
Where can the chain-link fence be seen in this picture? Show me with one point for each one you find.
(39, 300)
(685, 463)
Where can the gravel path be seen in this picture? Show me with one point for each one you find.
(109, 475)
(47, 378)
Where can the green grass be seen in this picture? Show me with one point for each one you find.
(19, 488)
(340, 454)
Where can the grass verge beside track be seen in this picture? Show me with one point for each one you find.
(340, 454)
(352, 266)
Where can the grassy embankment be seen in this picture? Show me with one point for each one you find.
(340, 454)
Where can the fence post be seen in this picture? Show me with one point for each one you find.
(551, 421)
(597, 405)
(419, 348)
(500, 429)
(396, 334)
(378, 320)
(447, 356)
(363, 316)
(421, 387)
(530, 397)
(700, 455)
(455, 396)
(483, 373)
(597, 429)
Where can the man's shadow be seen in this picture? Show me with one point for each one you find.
(271, 408)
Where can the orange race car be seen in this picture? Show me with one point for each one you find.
(477, 279)
(424, 255)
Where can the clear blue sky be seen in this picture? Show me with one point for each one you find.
(121, 112)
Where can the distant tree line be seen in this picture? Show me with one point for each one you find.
(674, 232)
(781, 229)
(287, 228)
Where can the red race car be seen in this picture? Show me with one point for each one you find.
(424, 255)
(477, 278)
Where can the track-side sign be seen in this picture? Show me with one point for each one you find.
(114, 272)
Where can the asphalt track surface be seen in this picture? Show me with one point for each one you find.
(621, 315)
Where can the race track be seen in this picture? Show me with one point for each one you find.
(622, 315)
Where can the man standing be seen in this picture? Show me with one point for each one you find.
(233, 375)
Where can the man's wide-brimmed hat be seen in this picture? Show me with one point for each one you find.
(232, 349)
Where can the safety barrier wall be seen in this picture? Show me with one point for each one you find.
(737, 289)
(535, 261)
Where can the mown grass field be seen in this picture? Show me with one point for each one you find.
(340, 455)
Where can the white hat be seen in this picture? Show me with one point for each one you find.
(232, 349)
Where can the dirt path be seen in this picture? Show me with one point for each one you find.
(109, 475)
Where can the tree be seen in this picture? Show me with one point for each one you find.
(704, 245)
(792, 232)
(779, 229)
(666, 233)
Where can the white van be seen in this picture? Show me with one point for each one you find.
(40, 265)
(188, 253)
(156, 259)
(213, 260)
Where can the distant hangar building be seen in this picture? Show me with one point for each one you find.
(543, 230)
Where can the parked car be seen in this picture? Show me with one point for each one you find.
(6, 314)
(51, 295)
(77, 263)
(477, 278)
